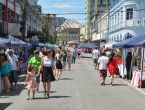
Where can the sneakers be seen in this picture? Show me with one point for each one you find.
(102, 83)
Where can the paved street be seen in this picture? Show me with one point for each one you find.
(78, 89)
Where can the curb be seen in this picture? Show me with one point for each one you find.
(137, 89)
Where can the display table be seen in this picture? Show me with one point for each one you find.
(87, 55)
(135, 82)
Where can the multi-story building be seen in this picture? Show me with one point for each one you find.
(34, 25)
(90, 6)
(126, 19)
(97, 19)
(13, 14)
(69, 31)
(99, 22)
(83, 36)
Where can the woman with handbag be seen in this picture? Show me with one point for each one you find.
(47, 66)
(112, 67)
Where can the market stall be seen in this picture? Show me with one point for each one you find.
(86, 49)
(139, 43)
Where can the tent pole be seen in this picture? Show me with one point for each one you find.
(142, 61)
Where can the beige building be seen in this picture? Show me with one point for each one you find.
(83, 36)
(68, 31)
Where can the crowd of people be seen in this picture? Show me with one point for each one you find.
(105, 61)
(46, 65)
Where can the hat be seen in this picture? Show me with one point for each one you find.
(10, 50)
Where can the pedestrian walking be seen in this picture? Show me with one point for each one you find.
(95, 55)
(4, 72)
(102, 64)
(64, 58)
(69, 59)
(58, 65)
(13, 60)
(47, 66)
(74, 55)
(112, 67)
(36, 62)
(79, 53)
(31, 82)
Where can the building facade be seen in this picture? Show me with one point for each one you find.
(34, 25)
(126, 19)
(83, 35)
(13, 17)
(99, 22)
(90, 7)
(69, 31)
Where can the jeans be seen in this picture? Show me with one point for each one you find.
(74, 60)
(13, 77)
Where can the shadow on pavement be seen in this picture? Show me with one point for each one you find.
(43, 91)
(3, 106)
(59, 96)
(117, 84)
(15, 92)
(66, 79)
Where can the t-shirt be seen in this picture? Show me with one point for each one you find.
(36, 61)
(47, 62)
(95, 53)
(74, 53)
(13, 62)
(103, 63)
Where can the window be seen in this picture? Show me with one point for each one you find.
(129, 14)
(1, 13)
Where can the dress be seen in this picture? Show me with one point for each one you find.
(32, 84)
(47, 74)
(112, 66)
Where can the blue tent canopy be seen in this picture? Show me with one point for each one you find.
(138, 41)
(88, 45)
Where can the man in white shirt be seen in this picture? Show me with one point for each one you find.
(95, 55)
(13, 60)
(102, 63)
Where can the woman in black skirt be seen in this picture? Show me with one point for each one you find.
(47, 67)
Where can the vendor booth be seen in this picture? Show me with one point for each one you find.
(86, 50)
(137, 45)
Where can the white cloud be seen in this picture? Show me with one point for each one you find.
(57, 5)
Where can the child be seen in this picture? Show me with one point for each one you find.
(31, 81)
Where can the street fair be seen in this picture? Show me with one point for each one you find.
(133, 49)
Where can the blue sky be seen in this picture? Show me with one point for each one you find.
(64, 6)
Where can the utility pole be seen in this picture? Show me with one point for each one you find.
(24, 18)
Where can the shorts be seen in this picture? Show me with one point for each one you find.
(5, 75)
(103, 73)
(95, 60)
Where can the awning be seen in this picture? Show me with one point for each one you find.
(138, 41)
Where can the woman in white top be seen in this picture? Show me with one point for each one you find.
(47, 65)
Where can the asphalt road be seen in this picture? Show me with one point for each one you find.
(78, 89)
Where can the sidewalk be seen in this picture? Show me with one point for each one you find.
(141, 90)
